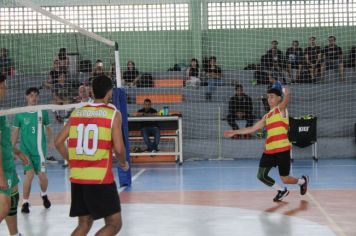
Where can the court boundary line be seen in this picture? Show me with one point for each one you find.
(334, 226)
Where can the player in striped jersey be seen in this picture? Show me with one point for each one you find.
(32, 127)
(9, 195)
(277, 146)
(93, 131)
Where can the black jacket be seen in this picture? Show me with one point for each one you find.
(240, 104)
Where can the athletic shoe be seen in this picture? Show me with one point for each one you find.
(304, 187)
(280, 195)
(25, 208)
(46, 202)
(51, 159)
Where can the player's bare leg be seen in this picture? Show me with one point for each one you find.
(84, 225)
(112, 226)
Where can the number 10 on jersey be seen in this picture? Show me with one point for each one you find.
(84, 137)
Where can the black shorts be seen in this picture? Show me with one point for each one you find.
(96, 200)
(282, 160)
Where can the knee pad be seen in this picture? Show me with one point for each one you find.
(14, 203)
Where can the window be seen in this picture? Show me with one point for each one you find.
(138, 17)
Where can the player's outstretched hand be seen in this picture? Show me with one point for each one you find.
(124, 166)
(229, 133)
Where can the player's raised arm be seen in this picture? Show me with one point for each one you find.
(283, 105)
(248, 130)
(118, 141)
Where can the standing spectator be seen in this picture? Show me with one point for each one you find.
(6, 65)
(32, 127)
(240, 108)
(149, 128)
(63, 59)
(313, 58)
(214, 75)
(294, 57)
(193, 73)
(131, 75)
(333, 57)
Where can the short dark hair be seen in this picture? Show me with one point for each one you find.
(212, 58)
(147, 100)
(296, 41)
(31, 90)
(239, 86)
(274, 41)
(101, 86)
(2, 77)
(312, 37)
(332, 36)
(275, 91)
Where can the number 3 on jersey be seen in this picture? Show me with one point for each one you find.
(83, 139)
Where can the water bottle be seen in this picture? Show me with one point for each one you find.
(166, 111)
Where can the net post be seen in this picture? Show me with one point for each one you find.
(117, 66)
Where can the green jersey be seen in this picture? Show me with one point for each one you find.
(8, 163)
(32, 137)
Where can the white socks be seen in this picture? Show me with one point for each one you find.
(43, 194)
(301, 181)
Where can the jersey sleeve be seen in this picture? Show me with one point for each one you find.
(17, 121)
(46, 118)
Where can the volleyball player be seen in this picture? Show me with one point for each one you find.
(93, 131)
(277, 146)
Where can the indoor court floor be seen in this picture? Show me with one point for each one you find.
(211, 198)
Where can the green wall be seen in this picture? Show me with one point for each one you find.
(158, 51)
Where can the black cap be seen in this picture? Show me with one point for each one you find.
(275, 91)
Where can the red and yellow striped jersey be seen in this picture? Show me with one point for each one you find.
(277, 132)
(90, 144)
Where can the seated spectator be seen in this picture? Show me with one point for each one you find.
(63, 90)
(333, 57)
(352, 57)
(214, 76)
(193, 73)
(131, 75)
(313, 58)
(112, 74)
(84, 94)
(275, 59)
(294, 57)
(240, 108)
(63, 60)
(53, 75)
(98, 69)
(149, 128)
(6, 66)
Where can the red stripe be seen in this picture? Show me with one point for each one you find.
(102, 144)
(91, 181)
(101, 122)
(278, 150)
(103, 163)
(101, 106)
(277, 124)
(274, 112)
(277, 137)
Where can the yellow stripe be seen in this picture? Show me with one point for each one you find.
(88, 173)
(277, 117)
(277, 131)
(278, 144)
(99, 155)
